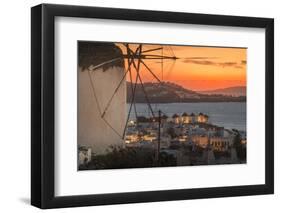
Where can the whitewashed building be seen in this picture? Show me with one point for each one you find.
(84, 155)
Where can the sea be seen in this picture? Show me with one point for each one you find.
(230, 115)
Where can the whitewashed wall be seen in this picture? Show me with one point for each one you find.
(93, 130)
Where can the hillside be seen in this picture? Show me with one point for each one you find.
(168, 92)
(230, 91)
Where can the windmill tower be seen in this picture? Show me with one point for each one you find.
(96, 81)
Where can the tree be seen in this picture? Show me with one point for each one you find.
(240, 149)
(171, 132)
(128, 157)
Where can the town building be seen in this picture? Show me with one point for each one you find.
(131, 138)
(149, 137)
(221, 143)
(199, 140)
(193, 117)
(186, 118)
(191, 138)
(84, 155)
(202, 118)
(176, 118)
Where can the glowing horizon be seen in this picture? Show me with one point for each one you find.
(197, 68)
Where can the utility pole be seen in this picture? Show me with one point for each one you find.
(159, 138)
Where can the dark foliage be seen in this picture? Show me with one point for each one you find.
(240, 149)
(119, 158)
(219, 154)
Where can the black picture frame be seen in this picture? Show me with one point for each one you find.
(43, 102)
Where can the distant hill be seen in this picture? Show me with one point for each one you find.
(167, 92)
(230, 91)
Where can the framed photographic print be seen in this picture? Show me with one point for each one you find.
(139, 106)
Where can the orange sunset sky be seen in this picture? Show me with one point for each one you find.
(197, 68)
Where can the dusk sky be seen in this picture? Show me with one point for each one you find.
(198, 68)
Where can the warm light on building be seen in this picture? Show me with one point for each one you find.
(186, 118)
(199, 140)
(131, 138)
(202, 118)
(149, 138)
(220, 143)
(176, 118)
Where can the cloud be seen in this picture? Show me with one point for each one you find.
(201, 62)
(205, 61)
(200, 58)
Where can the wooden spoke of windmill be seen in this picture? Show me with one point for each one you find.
(135, 58)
